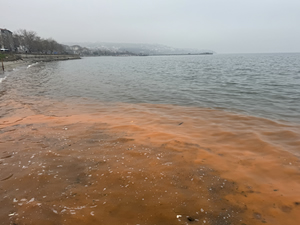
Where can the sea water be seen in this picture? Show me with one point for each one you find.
(264, 85)
(210, 139)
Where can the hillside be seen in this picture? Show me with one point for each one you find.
(137, 48)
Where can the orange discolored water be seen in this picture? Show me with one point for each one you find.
(88, 162)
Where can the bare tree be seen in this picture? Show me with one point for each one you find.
(29, 39)
(30, 42)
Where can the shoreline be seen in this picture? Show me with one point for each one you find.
(11, 65)
(27, 59)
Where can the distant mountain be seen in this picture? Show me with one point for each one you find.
(139, 49)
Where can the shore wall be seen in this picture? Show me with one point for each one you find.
(33, 57)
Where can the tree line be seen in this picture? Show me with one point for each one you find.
(24, 41)
(29, 42)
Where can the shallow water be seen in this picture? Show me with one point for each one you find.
(264, 85)
(96, 156)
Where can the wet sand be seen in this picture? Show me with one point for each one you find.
(96, 163)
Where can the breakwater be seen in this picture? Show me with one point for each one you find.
(36, 57)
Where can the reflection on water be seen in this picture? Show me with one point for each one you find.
(73, 155)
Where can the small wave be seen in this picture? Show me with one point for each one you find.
(32, 65)
(2, 79)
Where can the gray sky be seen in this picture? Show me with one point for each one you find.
(224, 26)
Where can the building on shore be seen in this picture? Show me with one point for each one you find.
(6, 40)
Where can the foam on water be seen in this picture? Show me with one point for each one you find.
(2, 79)
(36, 63)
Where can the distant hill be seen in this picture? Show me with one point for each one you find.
(139, 49)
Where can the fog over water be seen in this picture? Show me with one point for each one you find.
(222, 26)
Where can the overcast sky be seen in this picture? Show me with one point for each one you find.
(224, 26)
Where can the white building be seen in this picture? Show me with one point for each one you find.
(6, 40)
